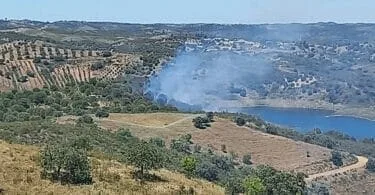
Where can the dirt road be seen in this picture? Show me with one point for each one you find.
(360, 164)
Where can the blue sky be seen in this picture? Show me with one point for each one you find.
(192, 11)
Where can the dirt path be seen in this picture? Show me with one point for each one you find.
(360, 164)
(151, 126)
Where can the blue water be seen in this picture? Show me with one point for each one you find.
(306, 119)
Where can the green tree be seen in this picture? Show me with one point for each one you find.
(189, 164)
(253, 185)
(66, 164)
(145, 157)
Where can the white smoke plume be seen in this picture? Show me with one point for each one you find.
(201, 78)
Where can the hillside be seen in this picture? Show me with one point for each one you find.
(280, 152)
(20, 174)
(306, 63)
(29, 65)
(120, 89)
(276, 151)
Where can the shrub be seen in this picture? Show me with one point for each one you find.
(240, 121)
(157, 141)
(86, 119)
(336, 158)
(30, 74)
(253, 185)
(232, 181)
(210, 116)
(207, 171)
(246, 159)
(107, 54)
(201, 122)
(189, 164)
(101, 113)
(37, 60)
(371, 164)
(97, 66)
(65, 164)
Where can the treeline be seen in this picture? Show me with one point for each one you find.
(330, 139)
(95, 97)
(75, 143)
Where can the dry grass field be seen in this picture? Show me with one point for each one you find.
(20, 174)
(152, 119)
(279, 152)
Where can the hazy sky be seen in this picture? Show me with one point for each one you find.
(192, 11)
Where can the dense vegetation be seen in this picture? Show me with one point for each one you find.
(95, 97)
(331, 139)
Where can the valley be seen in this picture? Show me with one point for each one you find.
(131, 105)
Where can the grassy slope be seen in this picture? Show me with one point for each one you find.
(279, 152)
(20, 175)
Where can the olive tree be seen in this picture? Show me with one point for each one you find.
(145, 156)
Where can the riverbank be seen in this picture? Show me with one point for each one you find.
(367, 113)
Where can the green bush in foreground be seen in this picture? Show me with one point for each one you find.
(189, 164)
(66, 164)
(145, 156)
(253, 185)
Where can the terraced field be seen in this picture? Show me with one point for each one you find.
(28, 65)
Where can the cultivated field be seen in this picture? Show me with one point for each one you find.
(20, 174)
(28, 65)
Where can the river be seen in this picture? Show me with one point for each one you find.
(307, 119)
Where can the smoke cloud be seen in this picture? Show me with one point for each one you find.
(201, 78)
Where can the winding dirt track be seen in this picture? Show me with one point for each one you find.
(360, 164)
